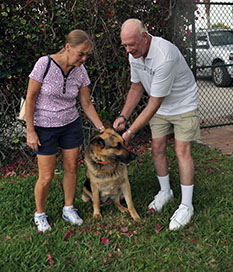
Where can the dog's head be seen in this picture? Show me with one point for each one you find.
(109, 146)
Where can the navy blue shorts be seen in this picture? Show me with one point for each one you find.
(67, 137)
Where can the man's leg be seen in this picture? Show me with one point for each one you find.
(161, 166)
(186, 170)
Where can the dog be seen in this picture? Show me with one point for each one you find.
(107, 178)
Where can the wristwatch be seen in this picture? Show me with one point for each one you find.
(101, 129)
(130, 132)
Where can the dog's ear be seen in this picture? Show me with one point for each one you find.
(107, 124)
(98, 141)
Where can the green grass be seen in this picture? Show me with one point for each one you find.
(116, 243)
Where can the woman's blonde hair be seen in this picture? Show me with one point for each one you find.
(77, 37)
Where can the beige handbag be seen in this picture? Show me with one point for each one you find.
(22, 112)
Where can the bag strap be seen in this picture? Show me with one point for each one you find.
(45, 73)
(48, 66)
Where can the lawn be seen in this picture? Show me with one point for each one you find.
(116, 242)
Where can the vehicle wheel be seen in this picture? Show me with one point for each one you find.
(220, 76)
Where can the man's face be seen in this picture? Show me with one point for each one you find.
(133, 43)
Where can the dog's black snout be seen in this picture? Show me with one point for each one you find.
(132, 155)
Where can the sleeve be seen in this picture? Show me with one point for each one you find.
(39, 69)
(163, 79)
(133, 72)
(85, 78)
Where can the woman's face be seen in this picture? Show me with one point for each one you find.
(77, 54)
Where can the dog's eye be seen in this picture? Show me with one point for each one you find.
(119, 146)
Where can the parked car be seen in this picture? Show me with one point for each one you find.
(214, 52)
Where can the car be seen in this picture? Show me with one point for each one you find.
(214, 54)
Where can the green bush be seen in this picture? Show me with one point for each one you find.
(32, 28)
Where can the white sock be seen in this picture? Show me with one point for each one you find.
(187, 195)
(164, 183)
(68, 207)
(39, 214)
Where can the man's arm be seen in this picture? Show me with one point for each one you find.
(133, 98)
(144, 117)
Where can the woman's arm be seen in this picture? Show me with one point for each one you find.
(32, 93)
(89, 109)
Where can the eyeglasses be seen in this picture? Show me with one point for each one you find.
(82, 54)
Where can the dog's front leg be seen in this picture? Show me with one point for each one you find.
(128, 198)
(96, 201)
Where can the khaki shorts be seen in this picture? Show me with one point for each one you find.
(185, 126)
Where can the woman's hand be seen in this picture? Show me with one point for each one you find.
(33, 140)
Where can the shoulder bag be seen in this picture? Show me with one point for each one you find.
(22, 114)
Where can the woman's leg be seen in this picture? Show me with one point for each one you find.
(70, 162)
(46, 165)
(69, 185)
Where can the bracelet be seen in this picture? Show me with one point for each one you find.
(130, 132)
(126, 120)
(101, 128)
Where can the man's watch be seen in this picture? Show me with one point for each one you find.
(125, 119)
(101, 129)
(131, 134)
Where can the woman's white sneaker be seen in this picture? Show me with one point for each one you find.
(181, 217)
(162, 198)
(41, 222)
(70, 215)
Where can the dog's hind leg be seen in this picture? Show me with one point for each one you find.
(86, 195)
(118, 204)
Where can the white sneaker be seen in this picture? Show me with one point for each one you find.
(42, 223)
(181, 217)
(162, 198)
(70, 215)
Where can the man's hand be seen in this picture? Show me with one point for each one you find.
(126, 136)
(119, 123)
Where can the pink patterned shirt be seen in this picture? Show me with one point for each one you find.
(56, 103)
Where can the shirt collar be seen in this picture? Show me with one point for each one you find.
(150, 52)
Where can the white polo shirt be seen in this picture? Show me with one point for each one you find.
(165, 73)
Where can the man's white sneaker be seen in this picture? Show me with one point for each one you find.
(42, 223)
(181, 217)
(162, 198)
(70, 215)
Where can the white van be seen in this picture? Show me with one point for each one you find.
(214, 52)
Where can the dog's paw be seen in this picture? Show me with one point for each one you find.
(123, 209)
(136, 218)
(97, 216)
(85, 198)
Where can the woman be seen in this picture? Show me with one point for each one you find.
(53, 120)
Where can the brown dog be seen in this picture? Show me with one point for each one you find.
(107, 178)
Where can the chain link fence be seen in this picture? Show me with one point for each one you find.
(212, 54)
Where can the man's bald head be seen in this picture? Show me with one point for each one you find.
(134, 38)
(133, 25)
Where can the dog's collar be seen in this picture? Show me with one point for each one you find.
(102, 162)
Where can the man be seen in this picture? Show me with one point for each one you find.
(157, 66)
